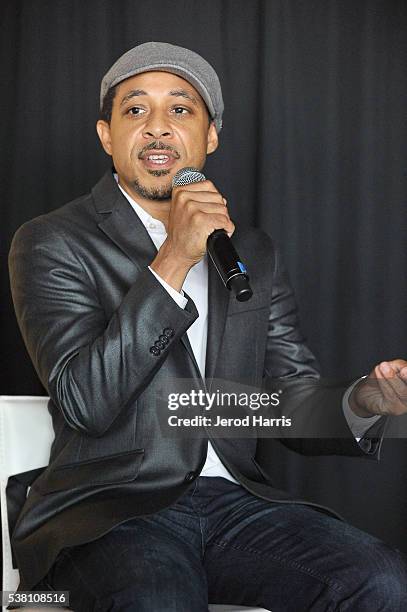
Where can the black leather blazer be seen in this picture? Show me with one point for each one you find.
(89, 310)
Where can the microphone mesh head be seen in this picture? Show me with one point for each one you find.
(186, 176)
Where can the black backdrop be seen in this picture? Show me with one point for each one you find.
(313, 150)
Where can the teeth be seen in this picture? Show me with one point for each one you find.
(158, 159)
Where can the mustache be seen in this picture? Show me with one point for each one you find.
(158, 146)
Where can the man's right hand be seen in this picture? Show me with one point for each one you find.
(196, 211)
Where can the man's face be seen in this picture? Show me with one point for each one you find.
(159, 124)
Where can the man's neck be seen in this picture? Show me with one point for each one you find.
(157, 209)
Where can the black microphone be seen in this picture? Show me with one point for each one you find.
(220, 247)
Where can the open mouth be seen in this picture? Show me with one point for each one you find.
(159, 159)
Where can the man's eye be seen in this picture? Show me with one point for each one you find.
(180, 110)
(136, 110)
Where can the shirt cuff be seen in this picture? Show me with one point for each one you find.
(179, 298)
(358, 425)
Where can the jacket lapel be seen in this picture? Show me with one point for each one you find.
(123, 226)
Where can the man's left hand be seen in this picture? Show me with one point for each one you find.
(383, 392)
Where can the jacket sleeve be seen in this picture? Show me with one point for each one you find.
(287, 354)
(92, 367)
(314, 404)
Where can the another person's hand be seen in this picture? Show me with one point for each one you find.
(383, 392)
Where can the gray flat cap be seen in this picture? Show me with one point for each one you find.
(169, 58)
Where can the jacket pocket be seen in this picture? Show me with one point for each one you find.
(112, 469)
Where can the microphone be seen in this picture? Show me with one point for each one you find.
(220, 247)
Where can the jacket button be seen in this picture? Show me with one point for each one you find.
(155, 350)
(163, 339)
(159, 344)
(190, 476)
(169, 332)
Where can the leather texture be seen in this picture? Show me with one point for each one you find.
(89, 311)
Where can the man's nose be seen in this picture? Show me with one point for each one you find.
(157, 127)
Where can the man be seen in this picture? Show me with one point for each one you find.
(115, 296)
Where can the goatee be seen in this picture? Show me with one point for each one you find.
(154, 193)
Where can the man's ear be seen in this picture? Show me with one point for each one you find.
(212, 139)
(103, 130)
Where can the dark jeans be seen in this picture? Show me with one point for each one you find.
(220, 543)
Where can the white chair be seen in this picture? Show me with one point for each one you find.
(26, 435)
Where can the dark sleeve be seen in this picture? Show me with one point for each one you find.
(314, 404)
(91, 366)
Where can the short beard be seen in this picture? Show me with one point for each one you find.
(156, 193)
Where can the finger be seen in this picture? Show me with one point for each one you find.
(231, 231)
(395, 385)
(200, 186)
(396, 371)
(394, 395)
(397, 364)
(390, 368)
(214, 222)
(208, 207)
(387, 370)
(201, 196)
(380, 371)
